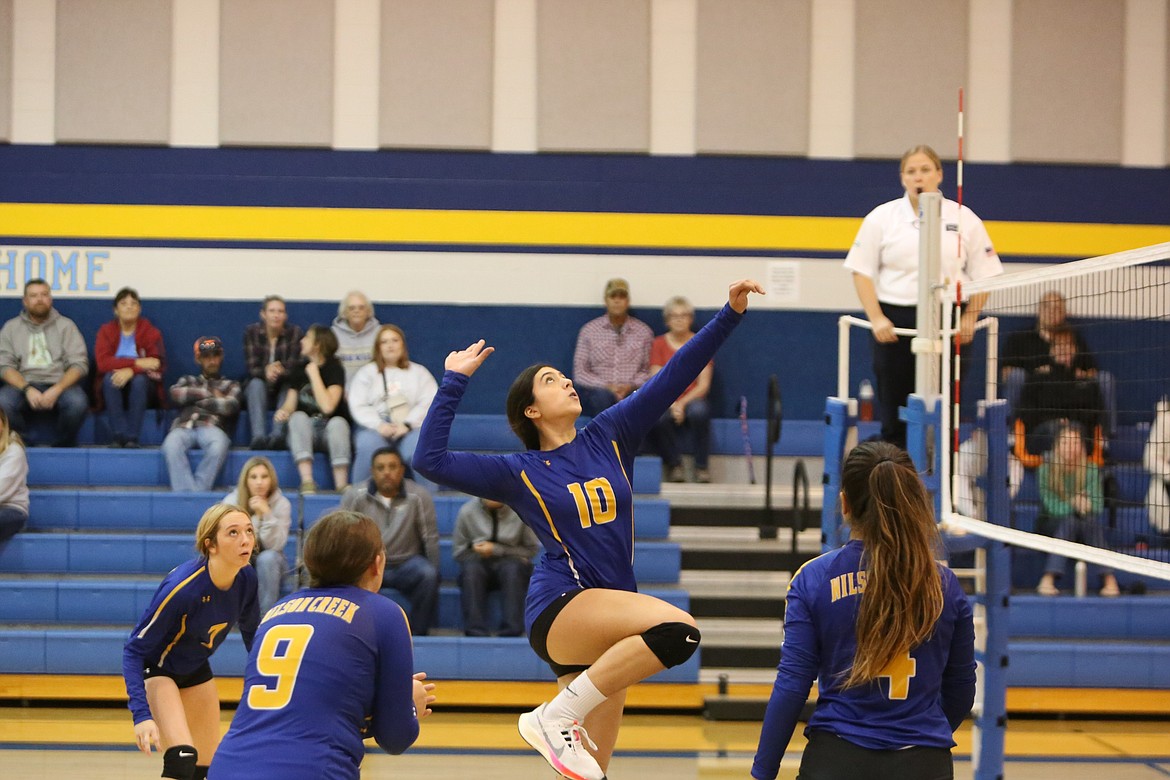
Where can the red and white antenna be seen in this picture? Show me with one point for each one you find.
(958, 338)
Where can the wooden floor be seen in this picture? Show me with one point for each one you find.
(96, 743)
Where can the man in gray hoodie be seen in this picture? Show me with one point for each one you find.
(42, 360)
(405, 514)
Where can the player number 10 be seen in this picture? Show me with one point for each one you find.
(595, 500)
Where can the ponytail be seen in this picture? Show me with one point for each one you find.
(892, 514)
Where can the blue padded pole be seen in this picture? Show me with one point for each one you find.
(922, 423)
(991, 725)
(840, 434)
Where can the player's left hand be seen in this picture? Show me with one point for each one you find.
(466, 361)
(423, 695)
(737, 294)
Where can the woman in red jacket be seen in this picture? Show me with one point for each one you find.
(130, 362)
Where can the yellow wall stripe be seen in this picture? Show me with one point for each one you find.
(511, 228)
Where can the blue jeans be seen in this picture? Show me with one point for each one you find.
(663, 438)
(126, 406)
(479, 575)
(306, 434)
(367, 441)
(12, 520)
(260, 399)
(271, 568)
(418, 580)
(69, 411)
(595, 400)
(1069, 528)
(209, 438)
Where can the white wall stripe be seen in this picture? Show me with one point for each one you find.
(1143, 129)
(357, 29)
(34, 72)
(195, 73)
(673, 55)
(514, 77)
(989, 82)
(831, 88)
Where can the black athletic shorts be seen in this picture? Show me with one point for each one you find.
(197, 677)
(829, 757)
(538, 636)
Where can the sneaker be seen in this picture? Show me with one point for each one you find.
(702, 476)
(1046, 588)
(560, 743)
(1111, 590)
(676, 474)
(308, 488)
(259, 443)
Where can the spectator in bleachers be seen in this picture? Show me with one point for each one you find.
(388, 400)
(1026, 351)
(1156, 459)
(690, 410)
(1072, 500)
(405, 514)
(315, 411)
(13, 481)
(208, 407)
(612, 358)
(494, 550)
(1056, 391)
(355, 328)
(130, 359)
(258, 491)
(42, 361)
(272, 347)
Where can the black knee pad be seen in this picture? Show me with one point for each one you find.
(200, 772)
(673, 643)
(179, 762)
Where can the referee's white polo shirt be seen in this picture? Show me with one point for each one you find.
(886, 249)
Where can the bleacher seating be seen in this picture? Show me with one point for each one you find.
(103, 528)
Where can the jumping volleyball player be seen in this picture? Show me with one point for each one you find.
(332, 664)
(583, 614)
(886, 630)
(165, 662)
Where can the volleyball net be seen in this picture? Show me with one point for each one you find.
(1073, 410)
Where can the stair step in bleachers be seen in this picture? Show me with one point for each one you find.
(99, 509)
(147, 468)
(158, 553)
(99, 651)
(491, 433)
(121, 601)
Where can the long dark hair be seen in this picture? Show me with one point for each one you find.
(891, 512)
(520, 397)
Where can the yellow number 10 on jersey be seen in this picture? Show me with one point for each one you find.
(601, 505)
(280, 656)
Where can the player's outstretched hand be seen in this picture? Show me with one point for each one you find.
(737, 294)
(423, 695)
(466, 361)
(146, 734)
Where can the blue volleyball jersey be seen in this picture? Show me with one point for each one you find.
(920, 702)
(188, 618)
(330, 667)
(577, 498)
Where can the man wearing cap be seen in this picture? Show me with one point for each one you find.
(42, 359)
(208, 406)
(613, 353)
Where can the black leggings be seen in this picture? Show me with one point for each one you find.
(828, 757)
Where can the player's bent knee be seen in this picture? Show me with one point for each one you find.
(672, 643)
(179, 762)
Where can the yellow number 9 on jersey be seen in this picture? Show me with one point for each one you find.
(280, 656)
